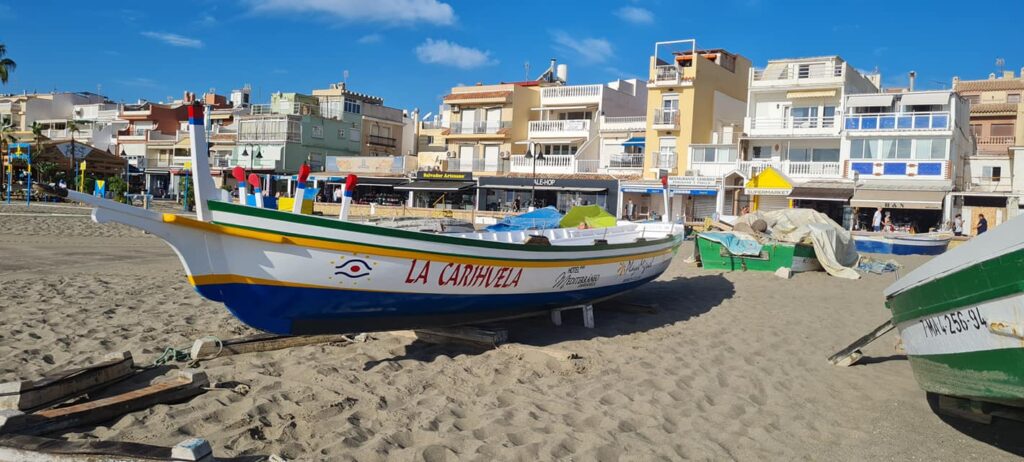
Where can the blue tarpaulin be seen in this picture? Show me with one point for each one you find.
(545, 218)
(735, 244)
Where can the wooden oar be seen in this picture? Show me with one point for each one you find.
(851, 354)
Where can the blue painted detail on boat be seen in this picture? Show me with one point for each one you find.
(275, 308)
(894, 168)
(864, 168)
(929, 168)
(889, 246)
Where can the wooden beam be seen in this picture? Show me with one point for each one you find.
(851, 354)
(26, 448)
(186, 384)
(475, 336)
(56, 387)
(209, 348)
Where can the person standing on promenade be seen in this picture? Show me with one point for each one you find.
(876, 220)
(958, 225)
(982, 225)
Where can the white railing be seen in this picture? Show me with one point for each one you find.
(1007, 140)
(554, 163)
(792, 168)
(990, 184)
(626, 160)
(488, 127)
(631, 123)
(799, 71)
(668, 117)
(898, 121)
(571, 91)
(55, 133)
(669, 73)
(434, 124)
(559, 126)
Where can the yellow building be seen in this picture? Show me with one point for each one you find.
(694, 96)
(485, 121)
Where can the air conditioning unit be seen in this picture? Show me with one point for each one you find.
(505, 155)
(690, 173)
(451, 154)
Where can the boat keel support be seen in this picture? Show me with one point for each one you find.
(588, 315)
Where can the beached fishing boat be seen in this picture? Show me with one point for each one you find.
(715, 255)
(291, 273)
(902, 243)
(961, 318)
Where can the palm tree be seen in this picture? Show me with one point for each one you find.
(72, 127)
(6, 65)
(37, 140)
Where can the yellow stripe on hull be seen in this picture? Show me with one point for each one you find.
(396, 253)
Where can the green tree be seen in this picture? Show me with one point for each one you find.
(117, 187)
(6, 138)
(72, 129)
(37, 141)
(6, 65)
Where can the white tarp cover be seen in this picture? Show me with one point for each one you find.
(833, 245)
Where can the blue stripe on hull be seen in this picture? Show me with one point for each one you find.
(873, 246)
(297, 310)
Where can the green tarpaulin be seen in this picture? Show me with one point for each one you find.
(593, 215)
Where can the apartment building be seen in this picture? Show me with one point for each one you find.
(153, 142)
(694, 95)
(901, 152)
(997, 125)
(94, 116)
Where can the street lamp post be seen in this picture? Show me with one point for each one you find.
(533, 185)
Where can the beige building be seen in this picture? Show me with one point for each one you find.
(987, 183)
(484, 123)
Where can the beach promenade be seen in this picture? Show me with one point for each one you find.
(730, 367)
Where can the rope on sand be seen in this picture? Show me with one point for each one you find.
(184, 355)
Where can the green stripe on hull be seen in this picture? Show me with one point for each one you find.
(404, 234)
(990, 375)
(995, 278)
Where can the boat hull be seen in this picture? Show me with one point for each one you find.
(964, 331)
(900, 245)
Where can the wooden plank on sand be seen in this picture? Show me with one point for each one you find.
(851, 354)
(186, 384)
(209, 348)
(476, 336)
(26, 448)
(61, 386)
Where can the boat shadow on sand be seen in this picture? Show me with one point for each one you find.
(1001, 433)
(656, 304)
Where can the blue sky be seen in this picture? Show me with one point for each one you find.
(411, 52)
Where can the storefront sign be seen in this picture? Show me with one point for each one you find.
(693, 181)
(767, 191)
(445, 176)
(544, 181)
(675, 191)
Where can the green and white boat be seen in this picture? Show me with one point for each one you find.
(715, 255)
(961, 318)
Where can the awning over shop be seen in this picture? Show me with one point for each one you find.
(869, 101)
(519, 187)
(821, 194)
(436, 186)
(898, 199)
(925, 99)
(811, 94)
(634, 141)
(369, 181)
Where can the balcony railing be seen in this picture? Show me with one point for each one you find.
(821, 70)
(554, 163)
(478, 128)
(571, 92)
(626, 160)
(792, 168)
(435, 124)
(990, 184)
(898, 121)
(995, 140)
(548, 127)
(666, 117)
(284, 108)
(587, 165)
(475, 164)
(382, 141)
(623, 124)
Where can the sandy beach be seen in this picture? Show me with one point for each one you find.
(732, 366)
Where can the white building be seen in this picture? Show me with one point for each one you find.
(567, 125)
(95, 117)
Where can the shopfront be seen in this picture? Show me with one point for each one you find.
(441, 190)
(696, 198)
(768, 190)
(911, 208)
(831, 201)
(503, 193)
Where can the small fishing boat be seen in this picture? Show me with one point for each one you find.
(961, 318)
(292, 273)
(902, 243)
(716, 255)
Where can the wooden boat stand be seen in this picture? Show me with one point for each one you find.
(588, 315)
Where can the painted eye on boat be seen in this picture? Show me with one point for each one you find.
(354, 268)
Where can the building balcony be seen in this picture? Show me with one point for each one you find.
(63, 134)
(664, 160)
(792, 169)
(670, 76)
(476, 164)
(480, 128)
(559, 128)
(434, 124)
(571, 94)
(994, 145)
(909, 121)
(385, 141)
(624, 124)
(665, 119)
(10, 107)
(791, 126)
(554, 163)
(135, 114)
(938, 169)
(272, 136)
(799, 74)
(623, 164)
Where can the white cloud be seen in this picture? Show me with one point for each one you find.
(139, 82)
(452, 54)
(206, 20)
(385, 11)
(174, 39)
(370, 38)
(635, 15)
(593, 50)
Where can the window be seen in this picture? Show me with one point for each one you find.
(829, 114)
(1013, 98)
(800, 155)
(762, 152)
(559, 149)
(575, 115)
(974, 99)
(1001, 130)
(318, 132)
(929, 148)
(825, 155)
(354, 134)
(316, 162)
(856, 149)
(887, 148)
(341, 133)
(430, 139)
(353, 106)
(991, 173)
(976, 129)
(803, 71)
